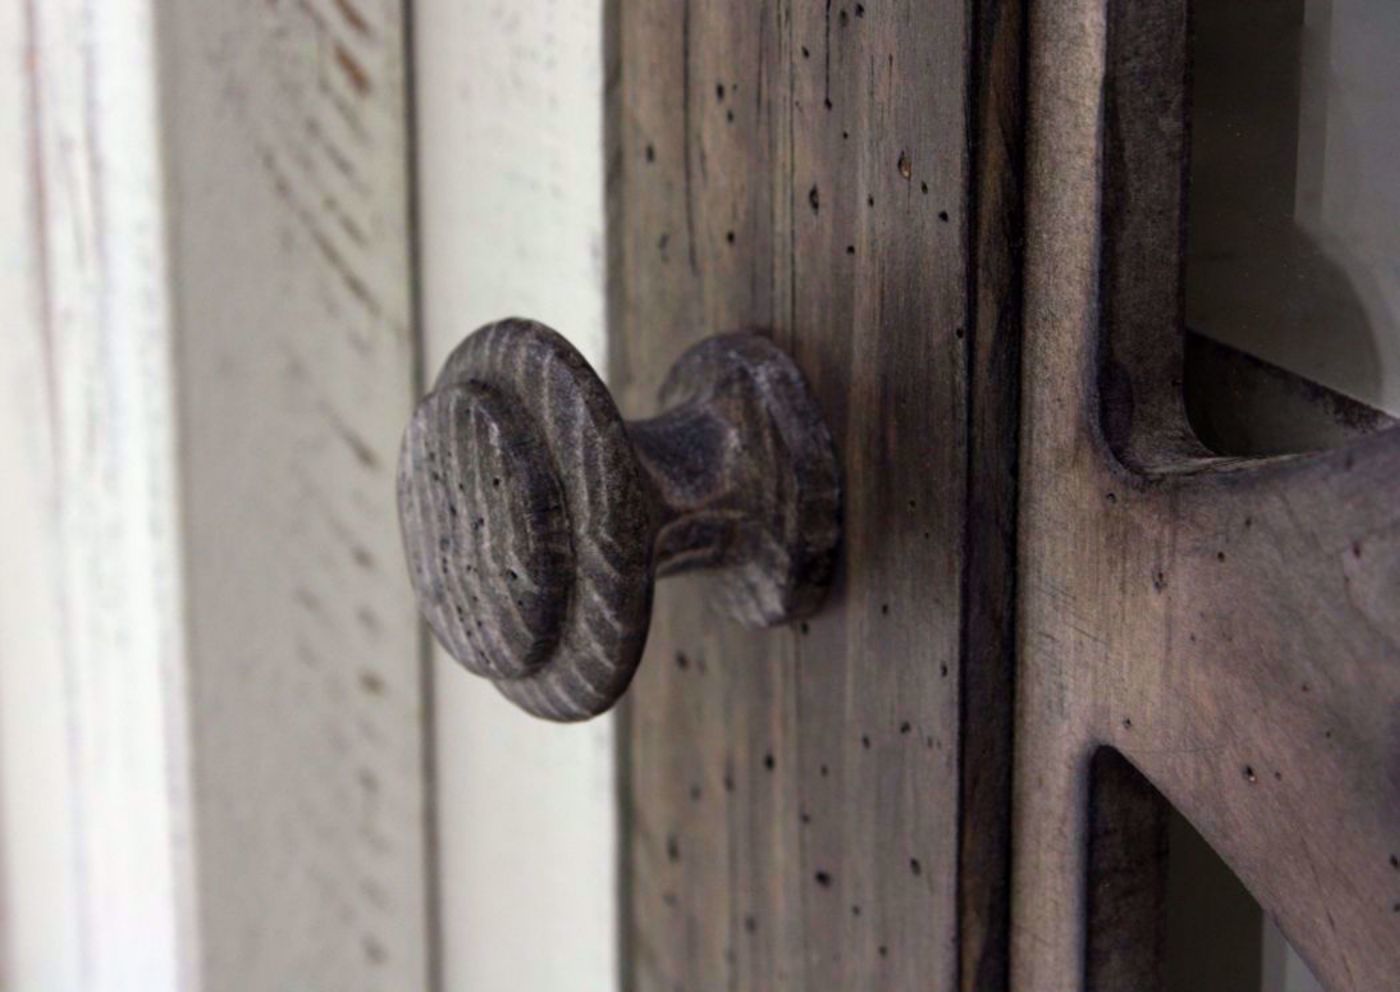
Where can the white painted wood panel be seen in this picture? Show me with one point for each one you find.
(212, 722)
(287, 130)
(98, 874)
(510, 153)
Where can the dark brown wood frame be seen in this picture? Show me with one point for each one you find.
(1228, 626)
(827, 807)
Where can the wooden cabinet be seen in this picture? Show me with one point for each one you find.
(1058, 613)
(1109, 590)
(794, 800)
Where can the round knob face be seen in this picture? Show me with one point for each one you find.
(489, 553)
(526, 522)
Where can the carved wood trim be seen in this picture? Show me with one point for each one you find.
(1229, 626)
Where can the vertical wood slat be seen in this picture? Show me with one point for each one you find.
(792, 799)
(510, 188)
(98, 868)
(212, 661)
(287, 143)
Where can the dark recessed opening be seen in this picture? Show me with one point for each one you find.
(1165, 911)
(1241, 405)
(1292, 286)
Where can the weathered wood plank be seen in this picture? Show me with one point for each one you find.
(218, 655)
(509, 141)
(287, 146)
(98, 862)
(792, 799)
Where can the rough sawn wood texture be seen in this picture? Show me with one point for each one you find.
(793, 799)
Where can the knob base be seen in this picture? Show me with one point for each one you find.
(746, 478)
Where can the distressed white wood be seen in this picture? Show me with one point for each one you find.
(510, 152)
(211, 716)
(287, 128)
(98, 875)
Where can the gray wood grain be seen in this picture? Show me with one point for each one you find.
(1227, 625)
(793, 798)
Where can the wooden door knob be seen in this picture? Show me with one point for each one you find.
(535, 520)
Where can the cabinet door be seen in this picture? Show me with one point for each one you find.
(824, 806)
